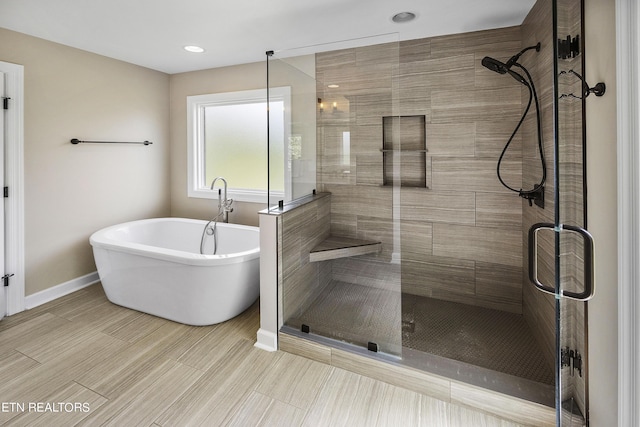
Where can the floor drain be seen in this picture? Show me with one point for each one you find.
(408, 326)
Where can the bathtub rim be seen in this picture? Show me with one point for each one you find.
(100, 239)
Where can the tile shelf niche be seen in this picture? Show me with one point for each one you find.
(404, 151)
(334, 247)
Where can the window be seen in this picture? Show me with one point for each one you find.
(227, 137)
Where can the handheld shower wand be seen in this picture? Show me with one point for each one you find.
(537, 193)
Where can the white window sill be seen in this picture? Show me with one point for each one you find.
(238, 195)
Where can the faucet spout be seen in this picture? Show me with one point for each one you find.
(224, 181)
(224, 204)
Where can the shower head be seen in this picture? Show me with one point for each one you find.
(504, 68)
(500, 68)
(494, 65)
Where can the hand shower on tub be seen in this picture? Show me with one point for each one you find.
(224, 207)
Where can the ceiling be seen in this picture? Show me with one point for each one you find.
(152, 33)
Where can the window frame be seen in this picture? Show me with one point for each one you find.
(196, 168)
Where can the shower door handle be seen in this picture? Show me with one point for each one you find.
(533, 256)
(588, 291)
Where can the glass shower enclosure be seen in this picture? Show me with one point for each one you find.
(419, 257)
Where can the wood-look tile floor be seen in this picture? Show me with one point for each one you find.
(81, 360)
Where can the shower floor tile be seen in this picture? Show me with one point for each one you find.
(356, 314)
(491, 339)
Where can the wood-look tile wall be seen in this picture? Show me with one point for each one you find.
(538, 307)
(300, 230)
(460, 238)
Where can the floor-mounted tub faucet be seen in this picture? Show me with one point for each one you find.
(224, 204)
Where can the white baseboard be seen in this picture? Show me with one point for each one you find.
(266, 340)
(60, 290)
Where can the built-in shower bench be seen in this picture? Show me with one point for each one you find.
(334, 247)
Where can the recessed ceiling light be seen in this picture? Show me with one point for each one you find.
(333, 86)
(194, 49)
(403, 17)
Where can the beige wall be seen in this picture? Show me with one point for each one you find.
(600, 60)
(226, 79)
(74, 190)
(294, 72)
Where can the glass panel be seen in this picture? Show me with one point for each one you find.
(356, 296)
(292, 149)
(464, 297)
(570, 211)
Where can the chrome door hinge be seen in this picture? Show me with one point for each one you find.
(5, 279)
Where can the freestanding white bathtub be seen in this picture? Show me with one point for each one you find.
(155, 266)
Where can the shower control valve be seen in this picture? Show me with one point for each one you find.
(534, 196)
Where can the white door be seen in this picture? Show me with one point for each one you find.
(3, 298)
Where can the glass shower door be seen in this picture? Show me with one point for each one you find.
(572, 245)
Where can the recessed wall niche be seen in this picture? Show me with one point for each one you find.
(404, 151)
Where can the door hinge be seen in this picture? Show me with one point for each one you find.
(571, 358)
(5, 279)
(569, 47)
(5, 102)
(6, 192)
